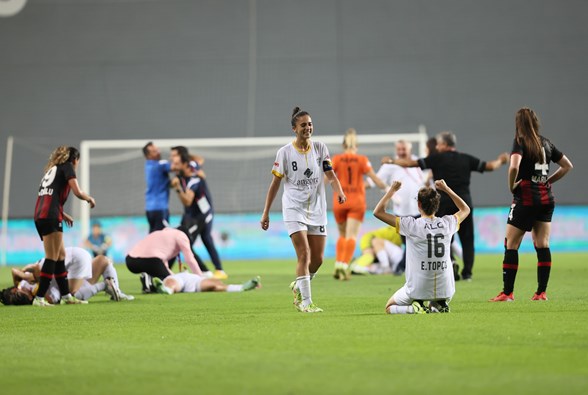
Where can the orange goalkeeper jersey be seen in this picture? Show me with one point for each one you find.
(350, 169)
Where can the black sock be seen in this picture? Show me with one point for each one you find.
(510, 266)
(543, 268)
(46, 276)
(61, 277)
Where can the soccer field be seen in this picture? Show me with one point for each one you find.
(256, 343)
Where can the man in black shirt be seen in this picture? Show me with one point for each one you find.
(455, 168)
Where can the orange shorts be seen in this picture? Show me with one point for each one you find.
(342, 212)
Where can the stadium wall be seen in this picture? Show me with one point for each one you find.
(239, 236)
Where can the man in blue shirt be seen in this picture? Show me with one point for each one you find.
(157, 188)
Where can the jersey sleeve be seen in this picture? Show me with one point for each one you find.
(429, 162)
(405, 225)
(452, 223)
(516, 148)
(325, 157)
(68, 171)
(279, 168)
(184, 246)
(556, 154)
(164, 166)
(366, 165)
(476, 164)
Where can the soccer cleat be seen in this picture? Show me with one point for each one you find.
(124, 296)
(311, 308)
(42, 302)
(145, 283)
(539, 296)
(160, 288)
(255, 282)
(419, 308)
(439, 306)
(72, 300)
(297, 294)
(220, 275)
(111, 289)
(502, 297)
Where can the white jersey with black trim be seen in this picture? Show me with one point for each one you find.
(429, 270)
(303, 199)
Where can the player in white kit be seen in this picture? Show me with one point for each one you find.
(83, 273)
(429, 271)
(189, 282)
(303, 164)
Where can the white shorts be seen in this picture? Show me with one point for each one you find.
(78, 263)
(315, 230)
(188, 282)
(401, 297)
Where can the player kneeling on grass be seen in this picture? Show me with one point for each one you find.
(83, 274)
(429, 272)
(188, 282)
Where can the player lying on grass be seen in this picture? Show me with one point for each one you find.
(429, 271)
(83, 274)
(188, 282)
(381, 251)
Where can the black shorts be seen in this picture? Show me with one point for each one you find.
(152, 266)
(523, 217)
(47, 226)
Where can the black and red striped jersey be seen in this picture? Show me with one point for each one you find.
(534, 189)
(53, 192)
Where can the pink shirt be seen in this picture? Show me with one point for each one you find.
(166, 244)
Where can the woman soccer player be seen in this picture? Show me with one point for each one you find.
(304, 206)
(59, 178)
(429, 274)
(350, 168)
(533, 202)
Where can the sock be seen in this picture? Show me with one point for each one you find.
(303, 284)
(61, 277)
(396, 256)
(348, 250)
(510, 266)
(383, 258)
(340, 249)
(395, 309)
(110, 271)
(46, 275)
(88, 290)
(543, 268)
(234, 288)
(365, 260)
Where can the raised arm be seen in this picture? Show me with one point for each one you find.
(380, 210)
(336, 185)
(564, 167)
(463, 208)
(496, 163)
(269, 199)
(400, 162)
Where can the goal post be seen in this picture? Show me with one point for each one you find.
(238, 169)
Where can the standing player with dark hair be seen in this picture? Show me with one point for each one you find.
(429, 275)
(157, 188)
(533, 202)
(455, 168)
(350, 168)
(303, 164)
(59, 178)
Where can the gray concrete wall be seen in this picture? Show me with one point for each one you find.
(84, 69)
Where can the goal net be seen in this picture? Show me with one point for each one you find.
(238, 170)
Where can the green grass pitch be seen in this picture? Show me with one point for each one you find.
(256, 343)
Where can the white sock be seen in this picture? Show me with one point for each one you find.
(383, 258)
(395, 309)
(110, 271)
(303, 284)
(88, 290)
(234, 288)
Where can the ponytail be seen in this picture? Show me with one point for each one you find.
(61, 155)
(527, 133)
(350, 139)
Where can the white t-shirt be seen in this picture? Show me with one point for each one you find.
(404, 202)
(304, 198)
(429, 270)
